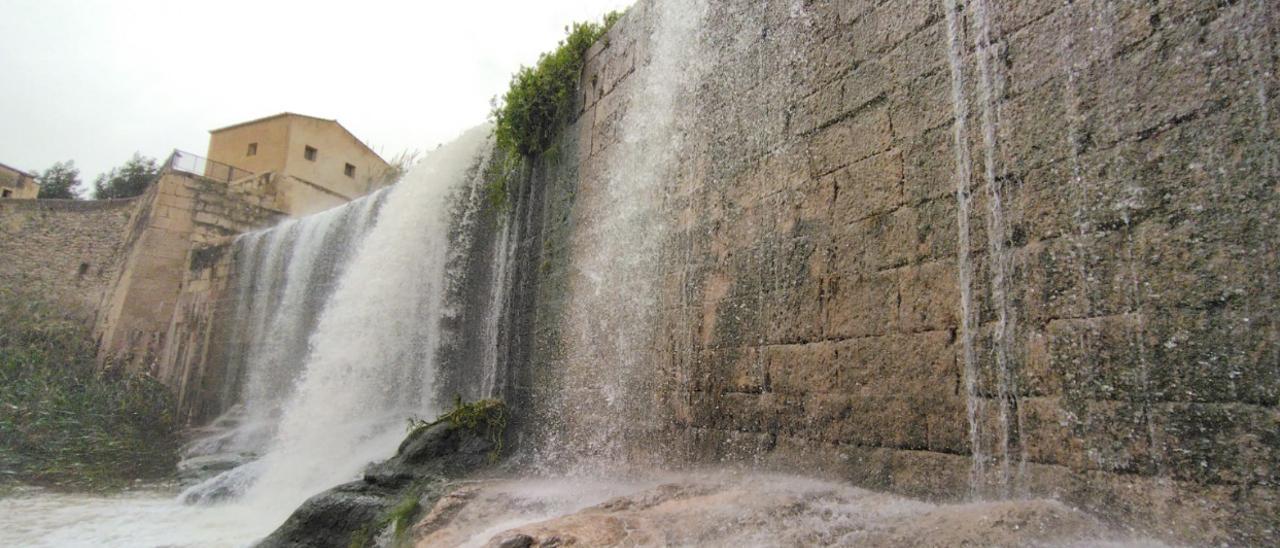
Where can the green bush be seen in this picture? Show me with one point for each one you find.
(541, 97)
(540, 102)
(63, 423)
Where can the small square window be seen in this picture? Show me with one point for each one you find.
(309, 153)
(253, 149)
(7, 193)
(349, 170)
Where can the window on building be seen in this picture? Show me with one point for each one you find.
(253, 149)
(349, 170)
(309, 153)
(7, 193)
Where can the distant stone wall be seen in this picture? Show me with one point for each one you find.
(66, 251)
(909, 232)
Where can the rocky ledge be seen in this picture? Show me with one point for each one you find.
(379, 508)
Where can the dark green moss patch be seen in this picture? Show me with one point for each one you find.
(487, 418)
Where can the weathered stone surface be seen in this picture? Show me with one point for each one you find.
(65, 250)
(354, 513)
(1121, 196)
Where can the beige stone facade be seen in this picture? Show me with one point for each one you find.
(16, 184)
(319, 164)
(178, 216)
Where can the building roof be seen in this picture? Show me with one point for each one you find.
(294, 114)
(16, 170)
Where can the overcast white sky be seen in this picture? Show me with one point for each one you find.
(96, 80)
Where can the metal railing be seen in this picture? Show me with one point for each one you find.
(187, 162)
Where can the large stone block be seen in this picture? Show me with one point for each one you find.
(1104, 358)
(892, 22)
(869, 187)
(860, 305)
(929, 165)
(863, 134)
(922, 104)
(930, 297)
(1218, 443)
(801, 368)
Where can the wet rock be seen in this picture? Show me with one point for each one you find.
(333, 517)
(515, 541)
(394, 491)
(738, 510)
(197, 469)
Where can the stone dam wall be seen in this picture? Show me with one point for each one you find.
(904, 233)
(65, 250)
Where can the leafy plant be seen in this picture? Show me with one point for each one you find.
(541, 99)
(130, 179)
(60, 181)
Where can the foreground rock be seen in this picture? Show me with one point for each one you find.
(381, 506)
(738, 510)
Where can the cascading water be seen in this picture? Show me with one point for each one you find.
(343, 314)
(284, 276)
(350, 321)
(612, 303)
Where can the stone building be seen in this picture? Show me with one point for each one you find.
(318, 163)
(17, 184)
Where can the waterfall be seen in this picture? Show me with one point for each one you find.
(613, 296)
(283, 277)
(342, 316)
(491, 359)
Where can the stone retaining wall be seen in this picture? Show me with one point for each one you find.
(905, 232)
(181, 215)
(67, 251)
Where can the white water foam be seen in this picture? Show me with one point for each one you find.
(372, 356)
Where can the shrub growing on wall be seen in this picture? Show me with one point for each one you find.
(541, 99)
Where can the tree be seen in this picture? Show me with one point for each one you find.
(59, 181)
(130, 179)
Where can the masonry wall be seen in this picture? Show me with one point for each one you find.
(194, 361)
(179, 214)
(992, 248)
(66, 251)
(16, 185)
